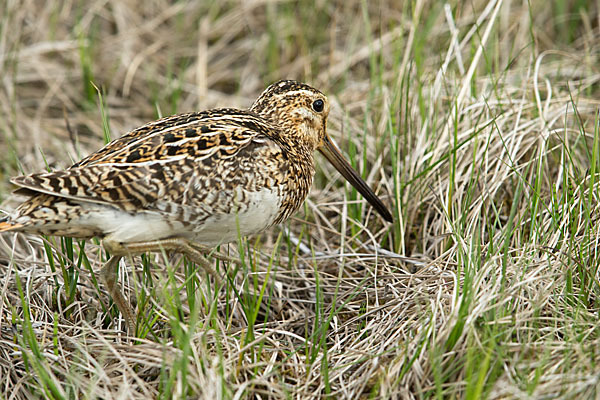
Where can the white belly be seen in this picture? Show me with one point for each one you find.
(257, 213)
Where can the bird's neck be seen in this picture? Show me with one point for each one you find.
(300, 136)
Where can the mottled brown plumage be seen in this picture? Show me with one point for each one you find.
(197, 177)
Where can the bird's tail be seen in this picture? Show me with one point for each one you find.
(6, 225)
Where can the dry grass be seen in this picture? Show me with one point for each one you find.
(477, 122)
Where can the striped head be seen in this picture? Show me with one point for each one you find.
(298, 109)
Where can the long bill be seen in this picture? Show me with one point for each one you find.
(334, 156)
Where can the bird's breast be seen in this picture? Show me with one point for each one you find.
(254, 212)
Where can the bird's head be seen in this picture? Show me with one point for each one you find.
(300, 112)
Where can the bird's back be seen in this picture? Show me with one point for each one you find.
(208, 176)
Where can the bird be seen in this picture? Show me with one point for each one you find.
(189, 182)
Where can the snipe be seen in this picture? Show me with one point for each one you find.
(190, 181)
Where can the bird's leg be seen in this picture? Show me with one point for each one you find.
(193, 252)
(109, 276)
(210, 251)
(109, 271)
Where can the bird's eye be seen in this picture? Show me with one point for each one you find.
(318, 105)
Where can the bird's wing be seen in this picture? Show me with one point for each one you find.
(161, 161)
(168, 130)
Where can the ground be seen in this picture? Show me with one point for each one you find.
(476, 122)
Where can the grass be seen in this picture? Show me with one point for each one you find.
(476, 122)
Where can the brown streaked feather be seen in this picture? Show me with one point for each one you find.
(132, 171)
(158, 140)
(212, 152)
(196, 169)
